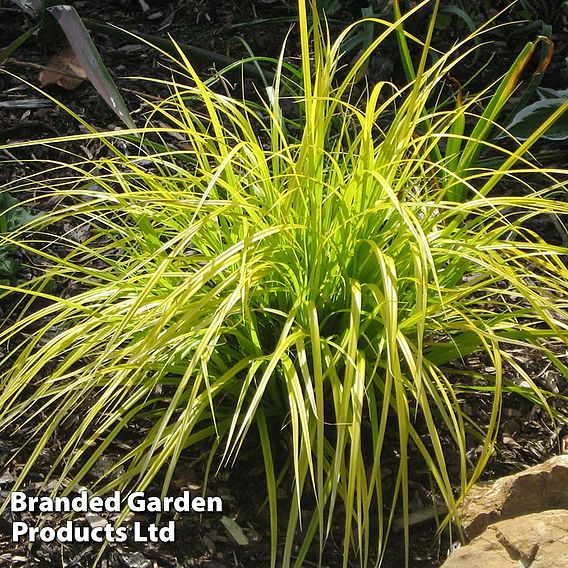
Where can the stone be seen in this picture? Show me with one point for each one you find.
(538, 540)
(536, 489)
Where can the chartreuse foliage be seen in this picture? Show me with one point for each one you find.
(305, 281)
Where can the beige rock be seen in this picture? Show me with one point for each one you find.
(539, 540)
(536, 489)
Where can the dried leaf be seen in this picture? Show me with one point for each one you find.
(64, 70)
(565, 445)
(511, 442)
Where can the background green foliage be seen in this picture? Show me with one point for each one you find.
(12, 217)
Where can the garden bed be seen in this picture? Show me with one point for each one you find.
(525, 436)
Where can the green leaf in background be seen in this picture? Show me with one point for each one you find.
(446, 13)
(331, 7)
(8, 264)
(20, 40)
(531, 117)
(6, 201)
(18, 217)
(11, 218)
(547, 93)
(90, 60)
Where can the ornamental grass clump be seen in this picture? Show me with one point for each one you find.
(308, 280)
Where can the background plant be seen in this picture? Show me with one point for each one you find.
(265, 282)
(49, 16)
(12, 217)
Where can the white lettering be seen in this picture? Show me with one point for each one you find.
(112, 503)
(121, 534)
(152, 533)
(214, 504)
(167, 534)
(153, 505)
(138, 537)
(136, 502)
(96, 534)
(47, 534)
(198, 504)
(78, 504)
(71, 533)
(18, 529)
(96, 505)
(18, 501)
